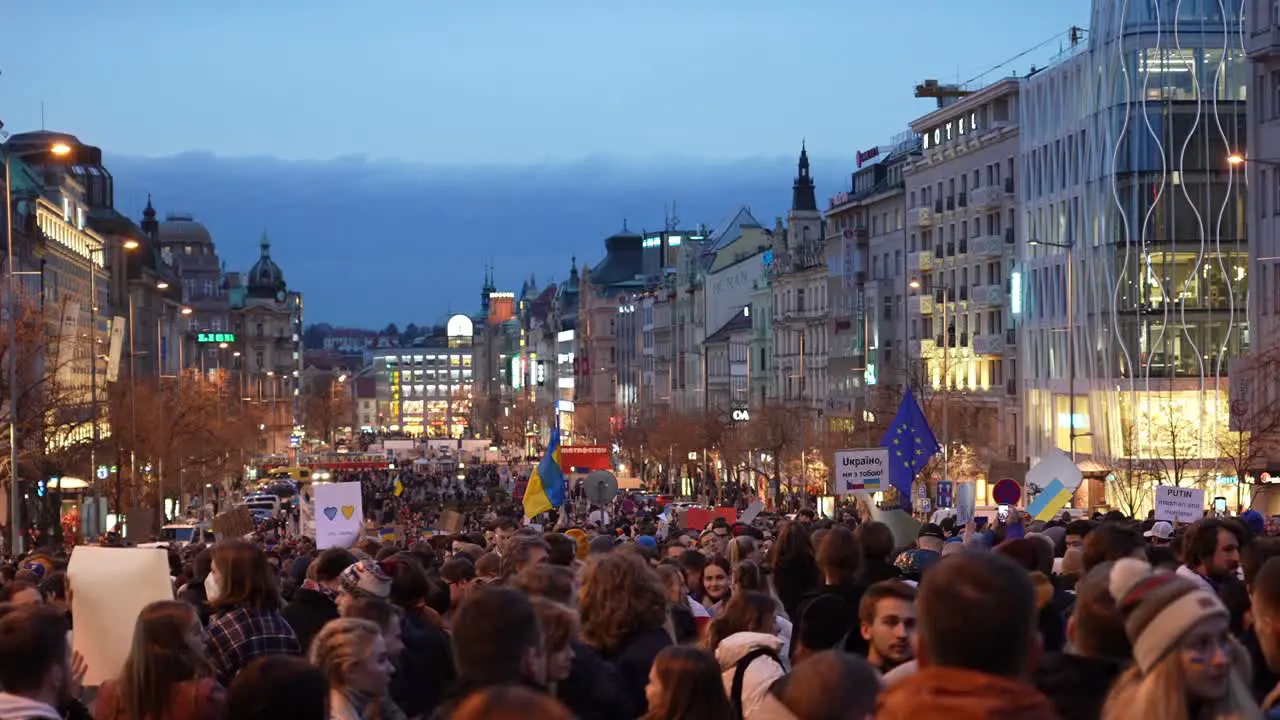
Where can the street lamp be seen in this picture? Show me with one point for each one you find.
(130, 244)
(1071, 329)
(186, 311)
(162, 285)
(915, 284)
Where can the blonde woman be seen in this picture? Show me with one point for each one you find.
(353, 656)
(1186, 664)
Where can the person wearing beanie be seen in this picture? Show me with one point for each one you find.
(1186, 664)
(362, 579)
(579, 537)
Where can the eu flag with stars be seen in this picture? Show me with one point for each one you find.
(911, 444)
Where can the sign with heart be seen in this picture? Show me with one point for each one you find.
(340, 520)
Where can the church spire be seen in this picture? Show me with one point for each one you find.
(802, 193)
(150, 226)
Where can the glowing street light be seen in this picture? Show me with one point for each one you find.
(186, 311)
(162, 285)
(130, 244)
(1235, 159)
(60, 149)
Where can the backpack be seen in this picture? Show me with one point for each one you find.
(740, 673)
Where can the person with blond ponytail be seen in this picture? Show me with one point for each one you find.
(353, 656)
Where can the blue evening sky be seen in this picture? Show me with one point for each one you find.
(391, 146)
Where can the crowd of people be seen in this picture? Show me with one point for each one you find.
(777, 619)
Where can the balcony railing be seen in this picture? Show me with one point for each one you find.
(988, 197)
(921, 348)
(988, 344)
(1011, 337)
(988, 295)
(920, 217)
(920, 304)
(987, 246)
(951, 202)
(921, 260)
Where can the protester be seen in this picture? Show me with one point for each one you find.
(386, 616)
(887, 617)
(792, 564)
(623, 608)
(246, 622)
(685, 683)
(35, 666)
(496, 641)
(1186, 664)
(750, 654)
(830, 685)
(166, 675)
(1076, 680)
(1211, 552)
(977, 645)
(354, 658)
(716, 584)
(315, 602)
(279, 687)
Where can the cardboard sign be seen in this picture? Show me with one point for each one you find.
(1179, 504)
(751, 512)
(109, 588)
(234, 523)
(339, 515)
(858, 470)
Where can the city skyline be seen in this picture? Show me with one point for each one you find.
(434, 170)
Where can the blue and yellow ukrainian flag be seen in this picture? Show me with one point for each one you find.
(546, 485)
(1050, 501)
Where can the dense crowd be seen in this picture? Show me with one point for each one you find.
(617, 612)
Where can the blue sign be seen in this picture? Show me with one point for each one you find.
(946, 493)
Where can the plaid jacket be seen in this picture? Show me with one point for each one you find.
(237, 637)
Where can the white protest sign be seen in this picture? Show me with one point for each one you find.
(1178, 504)
(339, 514)
(109, 589)
(1054, 465)
(861, 470)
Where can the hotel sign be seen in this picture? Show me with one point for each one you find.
(865, 155)
(215, 337)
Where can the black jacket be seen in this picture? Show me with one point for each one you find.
(309, 611)
(1076, 685)
(593, 689)
(425, 669)
(632, 662)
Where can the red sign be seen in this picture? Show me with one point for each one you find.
(866, 155)
(1006, 492)
(585, 457)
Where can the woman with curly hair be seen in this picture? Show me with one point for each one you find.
(623, 608)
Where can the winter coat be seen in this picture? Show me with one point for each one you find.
(760, 674)
(309, 611)
(1076, 685)
(956, 694)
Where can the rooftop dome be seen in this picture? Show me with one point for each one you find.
(265, 278)
(182, 228)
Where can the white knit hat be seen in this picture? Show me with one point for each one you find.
(1159, 608)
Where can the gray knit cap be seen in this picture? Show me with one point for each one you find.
(1159, 608)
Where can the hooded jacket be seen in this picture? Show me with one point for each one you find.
(760, 674)
(17, 707)
(956, 694)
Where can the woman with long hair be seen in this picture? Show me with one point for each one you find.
(622, 608)
(750, 577)
(685, 683)
(166, 675)
(353, 656)
(1186, 664)
(749, 653)
(246, 623)
(793, 567)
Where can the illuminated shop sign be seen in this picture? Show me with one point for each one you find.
(865, 155)
(215, 337)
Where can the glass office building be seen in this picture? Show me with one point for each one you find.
(1128, 199)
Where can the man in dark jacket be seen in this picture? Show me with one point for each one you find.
(1077, 682)
(315, 603)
